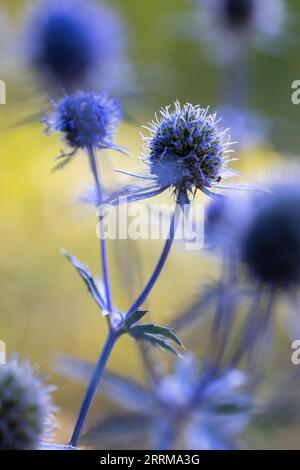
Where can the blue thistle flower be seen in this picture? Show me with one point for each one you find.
(194, 407)
(270, 244)
(86, 120)
(70, 43)
(185, 151)
(260, 240)
(25, 407)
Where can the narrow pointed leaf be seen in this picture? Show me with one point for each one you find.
(88, 279)
(126, 392)
(154, 330)
(73, 369)
(133, 193)
(120, 431)
(62, 163)
(134, 318)
(154, 341)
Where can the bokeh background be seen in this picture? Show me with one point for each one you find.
(44, 308)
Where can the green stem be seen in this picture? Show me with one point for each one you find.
(103, 247)
(93, 386)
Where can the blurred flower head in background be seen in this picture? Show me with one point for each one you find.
(212, 408)
(25, 407)
(224, 219)
(260, 239)
(230, 26)
(238, 14)
(251, 128)
(86, 120)
(195, 407)
(270, 245)
(262, 231)
(75, 44)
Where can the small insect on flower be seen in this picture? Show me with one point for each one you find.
(70, 43)
(86, 120)
(186, 151)
(25, 404)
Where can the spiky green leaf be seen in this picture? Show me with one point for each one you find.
(87, 277)
(153, 340)
(134, 318)
(156, 330)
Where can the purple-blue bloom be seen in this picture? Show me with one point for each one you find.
(186, 151)
(86, 120)
(231, 26)
(26, 408)
(195, 407)
(223, 218)
(270, 244)
(237, 13)
(260, 243)
(71, 42)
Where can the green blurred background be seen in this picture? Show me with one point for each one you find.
(44, 307)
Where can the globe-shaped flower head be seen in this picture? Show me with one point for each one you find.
(237, 13)
(186, 150)
(86, 120)
(233, 26)
(71, 43)
(270, 245)
(25, 407)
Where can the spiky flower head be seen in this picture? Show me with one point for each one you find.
(186, 150)
(270, 245)
(70, 42)
(25, 407)
(86, 120)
